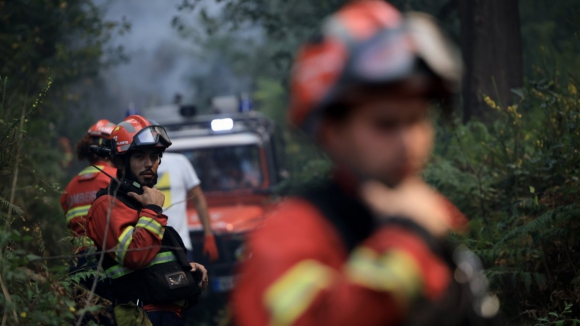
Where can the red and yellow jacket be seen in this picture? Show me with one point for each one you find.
(80, 194)
(133, 237)
(306, 268)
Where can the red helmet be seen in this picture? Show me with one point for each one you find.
(370, 43)
(101, 129)
(136, 132)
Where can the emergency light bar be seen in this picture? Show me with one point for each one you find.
(232, 104)
(222, 124)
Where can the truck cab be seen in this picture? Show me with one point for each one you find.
(236, 157)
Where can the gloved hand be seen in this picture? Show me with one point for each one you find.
(210, 247)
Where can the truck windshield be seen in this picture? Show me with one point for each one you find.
(226, 168)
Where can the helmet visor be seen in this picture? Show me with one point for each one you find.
(152, 135)
(391, 54)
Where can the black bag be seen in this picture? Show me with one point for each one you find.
(174, 280)
(161, 283)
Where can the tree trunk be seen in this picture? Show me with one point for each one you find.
(492, 51)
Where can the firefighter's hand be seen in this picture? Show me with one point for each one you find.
(413, 199)
(204, 280)
(150, 196)
(210, 247)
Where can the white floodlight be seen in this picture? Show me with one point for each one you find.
(222, 124)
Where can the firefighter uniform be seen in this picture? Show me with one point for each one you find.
(129, 229)
(145, 260)
(321, 259)
(81, 192)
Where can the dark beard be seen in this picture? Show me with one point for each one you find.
(149, 184)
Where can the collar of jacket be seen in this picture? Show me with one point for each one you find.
(351, 218)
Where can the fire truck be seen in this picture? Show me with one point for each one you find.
(237, 157)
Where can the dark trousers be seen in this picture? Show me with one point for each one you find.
(165, 318)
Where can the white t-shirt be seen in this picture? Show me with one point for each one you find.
(176, 177)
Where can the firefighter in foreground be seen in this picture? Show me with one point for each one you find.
(145, 260)
(366, 247)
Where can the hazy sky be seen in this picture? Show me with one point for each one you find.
(160, 60)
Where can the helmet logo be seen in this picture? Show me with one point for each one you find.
(387, 57)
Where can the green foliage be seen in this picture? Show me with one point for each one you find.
(303, 160)
(518, 179)
(45, 41)
(43, 45)
(559, 319)
(31, 294)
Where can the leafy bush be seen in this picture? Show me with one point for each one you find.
(517, 177)
(43, 44)
(36, 288)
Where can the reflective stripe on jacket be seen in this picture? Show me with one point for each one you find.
(81, 192)
(310, 268)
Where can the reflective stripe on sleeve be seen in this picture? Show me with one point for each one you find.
(91, 169)
(291, 295)
(118, 270)
(395, 272)
(76, 212)
(123, 244)
(151, 225)
(163, 257)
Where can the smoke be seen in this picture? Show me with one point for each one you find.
(162, 63)
(159, 59)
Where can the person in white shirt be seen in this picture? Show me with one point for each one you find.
(180, 184)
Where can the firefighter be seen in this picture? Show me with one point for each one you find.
(144, 260)
(367, 247)
(82, 189)
(76, 201)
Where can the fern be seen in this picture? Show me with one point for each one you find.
(15, 209)
(82, 275)
(542, 223)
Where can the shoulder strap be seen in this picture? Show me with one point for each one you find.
(121, 195)
(351, 219)
(172, 238)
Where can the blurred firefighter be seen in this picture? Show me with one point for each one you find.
(77, 198)
(145, 260)
(180, 184)
(367, 247)
(82, 189)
